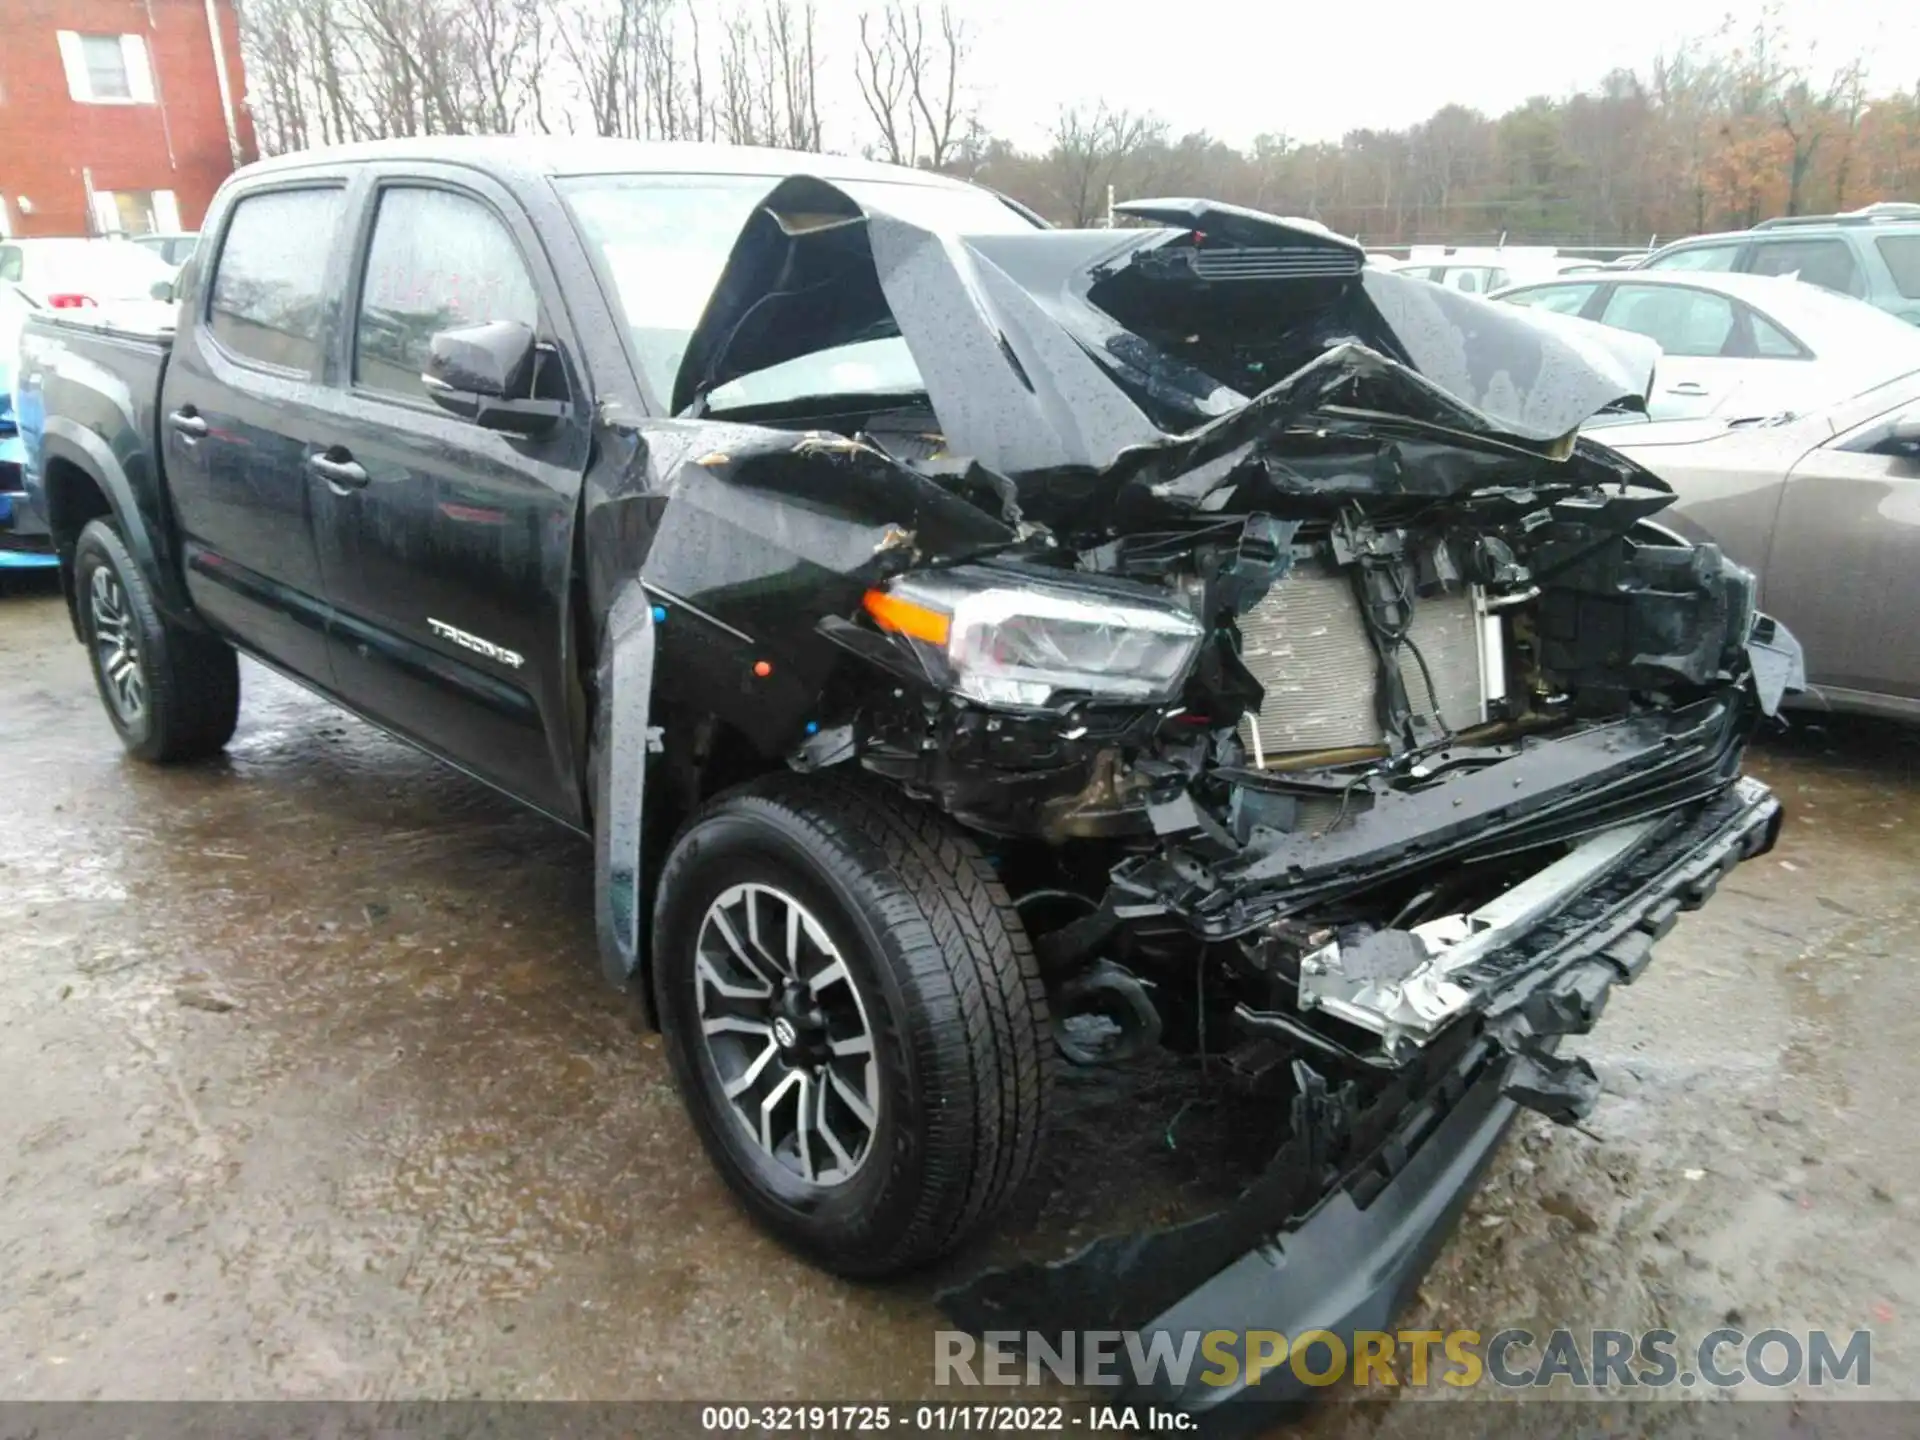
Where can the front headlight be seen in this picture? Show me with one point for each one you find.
(1032, 643)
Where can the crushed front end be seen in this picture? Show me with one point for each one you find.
(1336, 712)
(1439, 774)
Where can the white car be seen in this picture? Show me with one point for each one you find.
(70, 273)
(1738, 346)
(1480, 272)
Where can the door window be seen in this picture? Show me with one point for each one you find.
(1560, 299)
(1826, 263)
(1902, 254)
(438, 261)
(1683, 321)
(267, 283)
(1698, 257)
(1770, 342)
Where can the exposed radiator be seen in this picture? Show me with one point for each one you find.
(1307, 644)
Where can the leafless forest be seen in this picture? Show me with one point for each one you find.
(1727, 130)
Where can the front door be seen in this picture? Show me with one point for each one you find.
(445, 546)
(1844, 572)
(237, 419)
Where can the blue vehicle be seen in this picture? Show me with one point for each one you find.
(24, 542)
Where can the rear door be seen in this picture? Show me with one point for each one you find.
(445, 546)
(238, 415)
(1702, 336)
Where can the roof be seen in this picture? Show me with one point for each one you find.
(1789, 227)
(556, 155)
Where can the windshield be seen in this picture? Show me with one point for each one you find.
(98, 269)
(664, 239)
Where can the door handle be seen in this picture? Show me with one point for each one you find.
(339, 469)
(1687, 387)
(188, 422)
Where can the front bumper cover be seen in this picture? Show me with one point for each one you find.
(1341, 1226)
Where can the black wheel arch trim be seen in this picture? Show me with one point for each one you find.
(146, 539)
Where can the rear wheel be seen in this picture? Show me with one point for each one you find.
(855, 1017)
(171, 693)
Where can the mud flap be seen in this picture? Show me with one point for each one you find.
(621, 741)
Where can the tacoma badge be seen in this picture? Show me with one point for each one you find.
(475, 643)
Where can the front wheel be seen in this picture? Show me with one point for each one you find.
(171, 693)
(855, 1017)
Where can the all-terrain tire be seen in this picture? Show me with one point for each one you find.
(951, 991)
(188, 682)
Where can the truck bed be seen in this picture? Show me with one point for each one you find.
(89, 385)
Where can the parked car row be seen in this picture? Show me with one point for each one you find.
(1872, 254)
(1785, 413)
(1739, 346)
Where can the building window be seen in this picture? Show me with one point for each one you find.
(106, 69)
(136, 212)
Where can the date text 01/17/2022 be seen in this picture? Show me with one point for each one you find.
(944, 1418)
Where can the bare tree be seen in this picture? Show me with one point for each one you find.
(1091, 150)
(768, 60)
(909, 81)
(880, 70)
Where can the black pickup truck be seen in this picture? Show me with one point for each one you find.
(968, 644)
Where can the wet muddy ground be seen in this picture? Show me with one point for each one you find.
(312, 1089)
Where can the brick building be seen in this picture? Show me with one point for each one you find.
(117, 116)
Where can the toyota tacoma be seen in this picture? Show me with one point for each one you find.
(970, 646)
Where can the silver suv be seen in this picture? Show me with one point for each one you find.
(1872, 254)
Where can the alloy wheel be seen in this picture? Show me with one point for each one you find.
(787, 1033)
(116, 646)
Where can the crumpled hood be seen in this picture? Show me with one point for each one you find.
(1081, 350)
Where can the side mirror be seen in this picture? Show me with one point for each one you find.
(484, 373)
(1901, 439)
(162, 290)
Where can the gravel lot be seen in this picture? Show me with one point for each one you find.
(313, 1090)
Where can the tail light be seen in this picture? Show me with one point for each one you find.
(69, 301)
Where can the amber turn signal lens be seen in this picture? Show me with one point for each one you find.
(903, 617)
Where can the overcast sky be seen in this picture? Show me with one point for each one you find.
(1313, 71)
